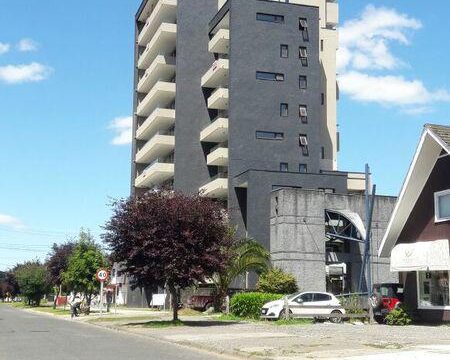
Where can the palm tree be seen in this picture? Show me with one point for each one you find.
(247, 255)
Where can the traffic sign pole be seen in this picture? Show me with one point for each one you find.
(101, 297)
(102, 276)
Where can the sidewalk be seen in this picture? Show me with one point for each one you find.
(323, 341)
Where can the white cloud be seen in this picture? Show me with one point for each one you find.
(26, 45)
(122, 126)
(364, 42)
(4, 48)
(15, 74)
(388, 89)
(365, 62)
(11, 221)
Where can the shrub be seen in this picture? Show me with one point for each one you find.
(352, 304)
(399, 316)
(248, 305)
(276, 281)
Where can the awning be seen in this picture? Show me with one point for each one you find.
(421, 256)
(355, 219)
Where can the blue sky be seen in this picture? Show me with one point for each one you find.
(66, 95)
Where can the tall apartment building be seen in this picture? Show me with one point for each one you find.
(236, 99)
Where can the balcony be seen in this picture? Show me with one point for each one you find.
(219, 99)
(217, 188)
(162, 68)
(216, 132)
(162, 43)
(356, 182)
(164, 11)
(158, 146)
(155, 174)
(220, 43)
(217, 75)
(160, 119)
(332, 14)
(162, 95)
(218, 156)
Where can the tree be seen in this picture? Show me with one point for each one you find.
(86, 259)
(169, 239)
(33, 283)
(276, 281)
(9, 285)
(57, 263)
(246, 255)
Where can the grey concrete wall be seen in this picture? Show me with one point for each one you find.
(297, 235)
(193, 60)
(255, 104)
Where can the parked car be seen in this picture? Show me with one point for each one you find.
(200, 302)
(385, 298)
(305, 304)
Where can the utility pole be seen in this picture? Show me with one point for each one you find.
(366, 261)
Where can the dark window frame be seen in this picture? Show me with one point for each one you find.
(303, 143)
(286, 48)
(303, 82)
(284, 109)
(269, 76)
(284, 167)
(264, 135)
(303, 166)
(272, 18)
(303, 118)
(303, 55)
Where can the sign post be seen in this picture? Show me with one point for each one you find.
(102, 276)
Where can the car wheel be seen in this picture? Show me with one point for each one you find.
(335, 319)
(380, 319)
(281, 315)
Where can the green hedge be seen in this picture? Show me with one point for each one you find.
(399, 316)
(248, 305)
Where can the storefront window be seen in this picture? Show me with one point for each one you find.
(433, 289)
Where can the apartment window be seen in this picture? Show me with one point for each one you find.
(321, 45)
(270, 18)
(269, 135)
(303, 113)
(303, 27)
(303, 55)
(322, 152)
(284, 167)
(302, 82)
(303, 143)
(302, 168)
(442, 205)
(322, 99)
(302, 24)
(262, 75)
(284, 51)
(284, 110)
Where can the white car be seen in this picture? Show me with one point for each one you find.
(305, 304)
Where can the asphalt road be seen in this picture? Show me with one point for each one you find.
(28, 336)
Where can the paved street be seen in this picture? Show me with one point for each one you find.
(28, 336)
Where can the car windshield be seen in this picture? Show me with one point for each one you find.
(293, 296)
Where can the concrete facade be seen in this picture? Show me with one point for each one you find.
(298, 240)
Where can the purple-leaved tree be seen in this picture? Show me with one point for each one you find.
(169, 239)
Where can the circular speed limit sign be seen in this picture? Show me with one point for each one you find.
(102, 275)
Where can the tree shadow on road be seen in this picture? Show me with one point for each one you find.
(189, 323)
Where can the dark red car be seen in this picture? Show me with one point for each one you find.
(385, 298)
(200, 302)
